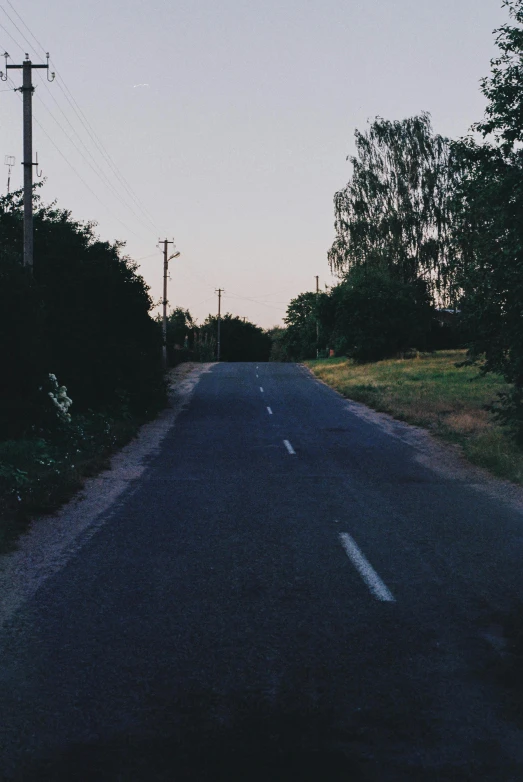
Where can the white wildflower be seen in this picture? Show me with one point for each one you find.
(60, 399)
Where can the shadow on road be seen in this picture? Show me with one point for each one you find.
(205, 739)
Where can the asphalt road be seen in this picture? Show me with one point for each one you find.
(289, 593)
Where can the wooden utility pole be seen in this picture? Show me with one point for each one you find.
(166, 260)
(317, 318)
(219, 292)
(27, 90)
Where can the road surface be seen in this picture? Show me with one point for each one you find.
(289, 592)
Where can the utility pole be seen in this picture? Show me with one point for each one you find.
(166, 260)
(9, 161)
(27, 90)
(219, 292)
(317, 318)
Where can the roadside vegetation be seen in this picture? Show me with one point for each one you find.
(428, 256)
(240, 339)
(435, 391)
(80, 356)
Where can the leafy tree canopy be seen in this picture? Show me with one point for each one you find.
(300, 335)
(488, 213)
(240, 339)
(393, 212)
(83, 316)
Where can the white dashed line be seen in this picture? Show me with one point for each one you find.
(261, 389)
(289, 447)
(365, 569)
(269, 411)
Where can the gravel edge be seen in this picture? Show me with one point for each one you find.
(52, 540)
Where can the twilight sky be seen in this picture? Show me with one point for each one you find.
(230, 123)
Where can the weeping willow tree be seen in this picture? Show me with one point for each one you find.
(395, 211)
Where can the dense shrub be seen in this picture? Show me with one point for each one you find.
(240, 340)
(83, 315)
(299, 340)
(488, 214)
(377, 316)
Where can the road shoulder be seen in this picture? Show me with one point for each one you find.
(52, 540)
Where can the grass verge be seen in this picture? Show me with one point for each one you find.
(39, 474)
(432, 392)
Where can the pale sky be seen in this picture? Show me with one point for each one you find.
(231, 121)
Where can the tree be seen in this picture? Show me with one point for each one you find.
(88, 320)
(180, 335)
(375, 316)
(278, 349)
(489, 221)
(394, 211)
(240, 340)
(300, 335)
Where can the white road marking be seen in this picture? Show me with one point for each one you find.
(261, 389)
(257, 375)
(365, 569)
(269, 411)
(289, 447)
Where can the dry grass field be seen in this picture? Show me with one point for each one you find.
(433, 392)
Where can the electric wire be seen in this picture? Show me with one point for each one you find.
(99, 145)
(80, 176)
(80, 115)
(26, 27)
(11, 37)
(132, 208)
(127, 228)
(191, 272)
(94, 165)
(17, 28)
(115, 192)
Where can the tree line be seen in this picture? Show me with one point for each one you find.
(84, 316)
(81, 355)
(428, 249)
(240, 339)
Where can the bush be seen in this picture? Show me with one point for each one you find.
(83, 315)
(377, 316)
(239, 340)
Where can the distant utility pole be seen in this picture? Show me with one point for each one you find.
(219, 292)
(27, 90)
(317, 318)
(9, 161)
(166, 260)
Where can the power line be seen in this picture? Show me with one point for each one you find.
(26, 27)
(142, 209)
(11, 37)
(80, 177)
(80, 115)
(193, 273)
(98, 144)
(17, 28)
(98, 170)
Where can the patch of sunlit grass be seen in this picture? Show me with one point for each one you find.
(433, 391)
